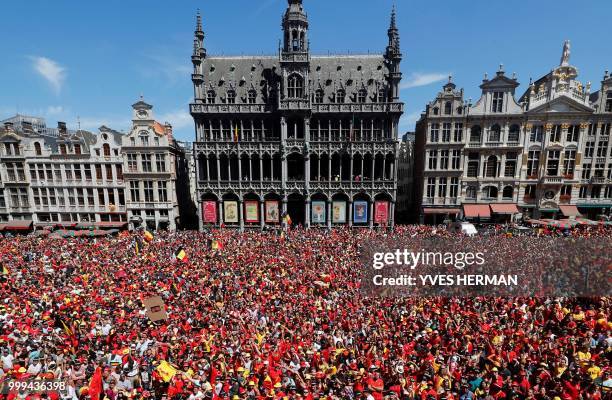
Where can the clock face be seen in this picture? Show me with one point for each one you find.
(549, 194)
(142, 114)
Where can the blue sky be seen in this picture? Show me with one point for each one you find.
(67, 59)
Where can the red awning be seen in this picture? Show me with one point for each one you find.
(569, 210)
(476, 210)
(504, 208)
(453, 211)
(18, 225)
(111, 224)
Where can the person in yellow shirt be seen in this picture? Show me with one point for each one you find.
(594, 371)
(584, 356)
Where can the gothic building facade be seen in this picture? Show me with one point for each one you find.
(312, 137)
(543, 155)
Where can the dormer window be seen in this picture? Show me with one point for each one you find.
(211, 97)
(77, 148)
(498, 102)
(609, 101)
(340, 96)
(295, 88)
(62, 148)
(319, 95)
(252, 96)
(362, 96)
(231, 96)
(37, 149)
(436, 111)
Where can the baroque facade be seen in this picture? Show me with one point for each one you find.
(156, 173)
(74, 177)
(314, 137)
(544, 155)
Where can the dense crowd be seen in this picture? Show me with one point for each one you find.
(269, 316)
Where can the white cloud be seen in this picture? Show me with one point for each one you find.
(418, 79)
(179, 119)
(54, 110)
(53, 72)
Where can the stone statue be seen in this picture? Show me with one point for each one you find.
(566, 53)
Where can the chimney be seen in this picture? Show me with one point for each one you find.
(61, 128)
(168, 131)
(8, 126)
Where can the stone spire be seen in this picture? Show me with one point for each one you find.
(393, 33)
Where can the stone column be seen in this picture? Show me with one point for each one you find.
(220, 207)
(218, 169)
(349, 205)
(371, 214)
(241, 213)
(307, 219)
(261, 214)
(329, 220)
(392, 214)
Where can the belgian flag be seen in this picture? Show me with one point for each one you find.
(180, 254)
(216, 245)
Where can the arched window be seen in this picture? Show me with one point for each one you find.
(77, 148)
(508, 192)
(252, 96)
(340, 96)
(436, 111)
(470, 192)
(231, 96)
(489, 192)
(491, 167)
(211, 96)
(295, 42)
(475, 134)
(106, 150)
(319, 95)
(295, 88)
(37, 149)
(459, 110)
(382, 98)
(447, 108)
(495, 133)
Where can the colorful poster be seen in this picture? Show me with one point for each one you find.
(381, 212)
(251, 211)
(209, 212)
(230, 211)
(272, 213)
(339, 212)
(360, 212)
(318, 212)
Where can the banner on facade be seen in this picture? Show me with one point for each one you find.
(209, 212)
(230, 211)
(381, 212)
(360, 212)
(272, 213)
(318, 212)
(339, 212)
(251, 211)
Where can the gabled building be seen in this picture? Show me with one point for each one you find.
(543, 155)
(155, 167)
(314, 137)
